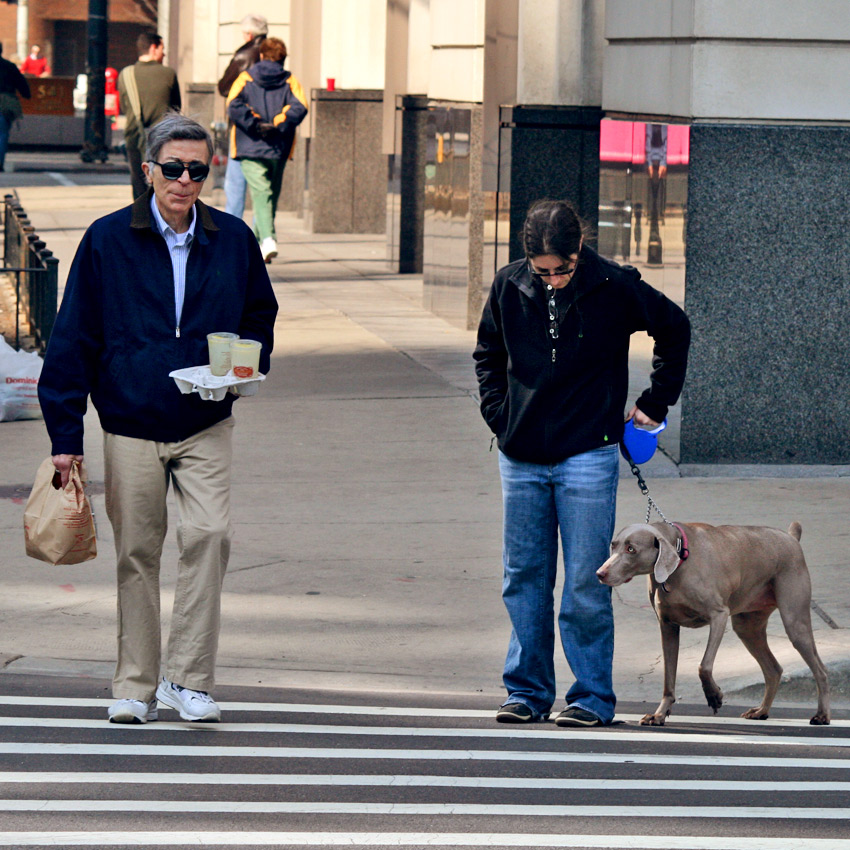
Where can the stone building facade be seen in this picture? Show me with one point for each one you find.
(705, 141)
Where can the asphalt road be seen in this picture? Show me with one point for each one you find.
(15, 179)
(292, 768)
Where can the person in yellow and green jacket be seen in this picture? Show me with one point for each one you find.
(265, 104)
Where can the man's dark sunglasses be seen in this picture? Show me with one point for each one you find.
(174, 170)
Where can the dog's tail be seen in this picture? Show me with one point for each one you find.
(795, 530)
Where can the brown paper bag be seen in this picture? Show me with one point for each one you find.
(58, 523)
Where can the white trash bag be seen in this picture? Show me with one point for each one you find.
(19, 373)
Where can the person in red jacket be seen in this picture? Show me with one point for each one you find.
(265, 104)
(35, 63)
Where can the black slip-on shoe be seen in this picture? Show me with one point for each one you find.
(518, 712)
(574, 715)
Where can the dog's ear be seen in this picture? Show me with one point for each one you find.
(666, 562)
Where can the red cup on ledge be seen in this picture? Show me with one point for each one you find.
(331, 83)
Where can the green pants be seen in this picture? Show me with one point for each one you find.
(264, 177)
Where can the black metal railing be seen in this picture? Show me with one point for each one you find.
(36, 273)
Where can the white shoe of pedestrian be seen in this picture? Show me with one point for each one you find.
(268, 247)
(192, 705)
(132, 711)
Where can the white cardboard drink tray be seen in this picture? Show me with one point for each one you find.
(199, 379)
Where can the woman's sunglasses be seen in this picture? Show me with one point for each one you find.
(174, 170)
(564, 271)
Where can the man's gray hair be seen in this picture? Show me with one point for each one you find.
(255, 24)
(175, 127)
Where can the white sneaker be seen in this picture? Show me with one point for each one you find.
(192, 705)
(268, 247)
(132, 711)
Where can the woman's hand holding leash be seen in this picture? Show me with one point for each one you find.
(641, 418)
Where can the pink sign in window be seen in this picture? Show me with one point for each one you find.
(625, 141)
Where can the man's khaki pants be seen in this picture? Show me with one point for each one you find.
(138, 473)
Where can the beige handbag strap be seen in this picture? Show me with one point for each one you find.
(133, 92)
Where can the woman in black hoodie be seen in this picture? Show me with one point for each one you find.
(552, 367)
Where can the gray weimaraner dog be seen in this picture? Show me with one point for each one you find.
(703, 575)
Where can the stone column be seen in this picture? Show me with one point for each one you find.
(767, 284)
(347, 184)
(406, 191)
(347, 169)
(405, 130)
(554, 126)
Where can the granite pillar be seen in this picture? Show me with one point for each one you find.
(554, 154)
(295, 179)
(767, 290)
(347, 170)
(406, 185)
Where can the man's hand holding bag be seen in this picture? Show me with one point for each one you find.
(58, 522)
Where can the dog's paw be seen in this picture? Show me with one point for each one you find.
(755, 714)
(714, 698)
(820, 720)
(654, 720)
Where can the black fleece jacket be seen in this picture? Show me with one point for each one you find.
(549, 399)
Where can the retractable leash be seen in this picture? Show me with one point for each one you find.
(638, 446)
(651, 505)
(643, 444)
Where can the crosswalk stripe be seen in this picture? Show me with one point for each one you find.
(60, 178)
(405, 711)
(460, 809)
(632, 735)
(411, 781)
(149, 750)
(413, 839)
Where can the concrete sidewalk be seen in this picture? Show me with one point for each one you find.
(367, 507)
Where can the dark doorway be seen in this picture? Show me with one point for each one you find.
(70, 45)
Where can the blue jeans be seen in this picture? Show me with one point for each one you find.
(578, 497)
(234, 188)
(5, 128)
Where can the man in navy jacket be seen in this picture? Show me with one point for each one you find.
(147, 285)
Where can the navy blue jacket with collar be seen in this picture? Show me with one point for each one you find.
(549, 399)
(115, 336)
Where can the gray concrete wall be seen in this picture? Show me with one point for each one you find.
(724, 59)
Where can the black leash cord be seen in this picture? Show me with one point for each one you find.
(651, 505)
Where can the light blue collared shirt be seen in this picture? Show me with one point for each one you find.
(179, 245)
